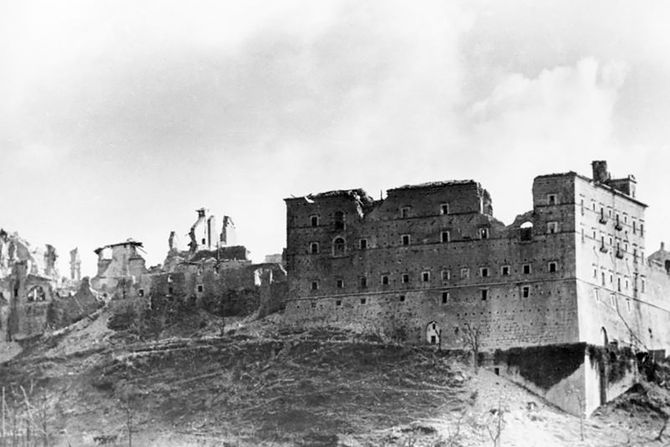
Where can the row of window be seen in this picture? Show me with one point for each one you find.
(622, 284)
(425, 276)
(612, 300)
(445, 296)
(606, 215)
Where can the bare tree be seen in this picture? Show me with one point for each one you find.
(471, 340)
(496, 424)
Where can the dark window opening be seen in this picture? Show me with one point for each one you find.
(525, 291)
(363, 300)
(404, 212)
(338, 219)
(200, 288)
(402, 298)
(526, 231)
(526, 269)
(315, 285)
(505, 270)
(552, 267)
(340, 283)
(445, 236)
(425, 276)
(363, 244)
(405, 278)
(315, 221)
(444, 208)
(445, 297)
(484, 233)
(364, 282)
(485, 294)
(140, 292)
(385, 280)
(338, 302)
(314, 248)
(405, 239)
(484, 272)
(338, 246)
(170, 290)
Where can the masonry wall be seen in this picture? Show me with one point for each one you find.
(402, 289)
(622, 297)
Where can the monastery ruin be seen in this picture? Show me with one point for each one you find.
(430, 262)
(564, 300)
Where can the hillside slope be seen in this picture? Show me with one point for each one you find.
(264, 384)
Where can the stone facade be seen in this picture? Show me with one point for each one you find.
(430, 260)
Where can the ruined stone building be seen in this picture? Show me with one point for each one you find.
(211, 274)
(430, 262)
(33, 298)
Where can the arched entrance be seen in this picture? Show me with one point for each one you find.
(433, 333)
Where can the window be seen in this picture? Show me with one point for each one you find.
(385, 280)
(313, 305)
(505, 270)
(363, 244)
(445, 297)
(526, 269)
(553, 267)
(338, 302)
(526, 231)
(314, 248)
(200, 288)
(634, 227)
(484, 272)
(641, 229)
(465, 273)
(602, 278)
(525, 291)
(446, 236)
(425, 276)
(363, 282)
(551, 199)
(363, 300)
(401, 298)
(405, 278)
(338, 220)
(444, 208)
(618, 284)
(644, 285)
(484, 294)
(314, 221)
(140, 292)
(484, 233)
(338, 246)
(446, 275)
(552, 227)
(581, 206)
(339, 283)
(315, 285)
(170, 290)
(404, 212)
(405, 239)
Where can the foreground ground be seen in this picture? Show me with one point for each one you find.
(262, 384)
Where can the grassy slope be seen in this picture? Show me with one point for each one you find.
(268, 386)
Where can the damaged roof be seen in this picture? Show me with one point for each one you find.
(128, 242)
(435, 184)
(357, 193)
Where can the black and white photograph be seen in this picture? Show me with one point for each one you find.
(334, 223)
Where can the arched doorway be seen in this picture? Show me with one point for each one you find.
(433, 333)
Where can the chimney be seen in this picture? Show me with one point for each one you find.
(600, 174)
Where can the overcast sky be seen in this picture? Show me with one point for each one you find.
(119, 118)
